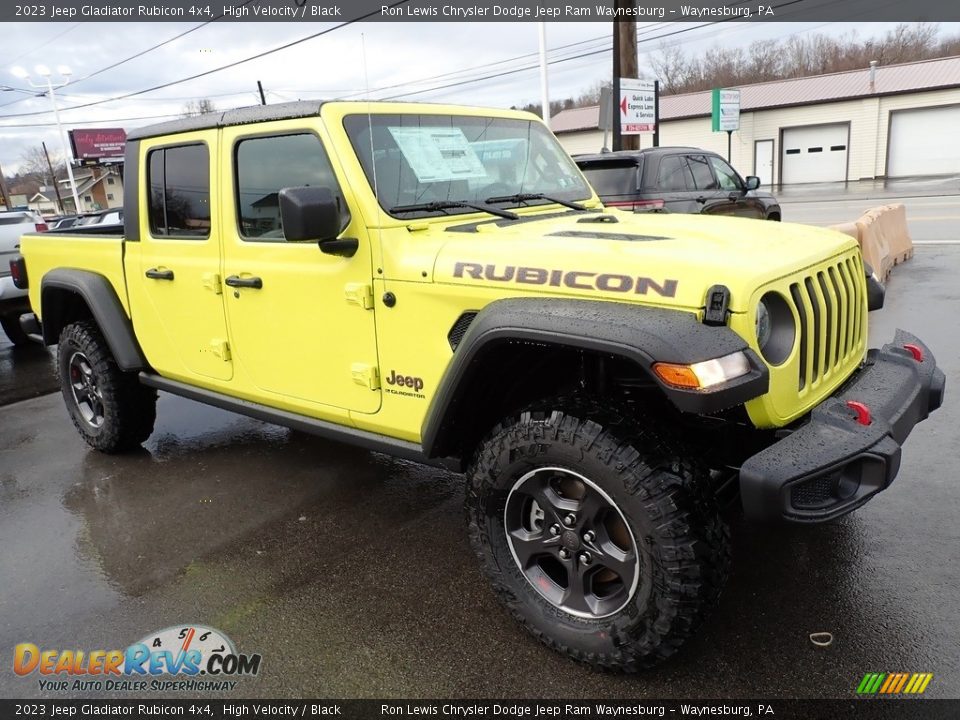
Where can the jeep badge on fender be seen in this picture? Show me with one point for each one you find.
(573, 378)
(414, 383)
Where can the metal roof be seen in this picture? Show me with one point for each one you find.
(889, 80)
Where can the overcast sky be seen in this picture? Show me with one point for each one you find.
(400, 58)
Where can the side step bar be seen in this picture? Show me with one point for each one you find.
(331, 431)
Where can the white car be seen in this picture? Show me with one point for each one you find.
(13, 301)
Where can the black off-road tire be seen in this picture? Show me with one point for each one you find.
(11, 326)
(667, 501)
(129, 409)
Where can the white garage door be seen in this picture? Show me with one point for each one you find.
(924, 142)
(815, 154)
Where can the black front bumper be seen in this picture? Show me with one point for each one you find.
(833, 463)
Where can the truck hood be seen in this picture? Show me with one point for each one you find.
(666, 259)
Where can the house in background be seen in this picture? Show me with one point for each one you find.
(20, 194)
(99, 188)
(44, 201)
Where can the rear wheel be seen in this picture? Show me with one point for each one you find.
(110, 408)
(11, 326)
(598, 536)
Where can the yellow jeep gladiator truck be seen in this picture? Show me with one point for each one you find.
(440, 283)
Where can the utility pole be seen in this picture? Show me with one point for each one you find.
(56, 185)
(544, 89)
(624, 65)
(263, 99)
(656, 112)
(4, 194)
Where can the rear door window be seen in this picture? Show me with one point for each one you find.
(179, 191)
(703, 178)
(674, 175)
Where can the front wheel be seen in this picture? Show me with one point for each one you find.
(110, 408)
(598, 536)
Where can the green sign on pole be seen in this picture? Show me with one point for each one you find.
(726, 110)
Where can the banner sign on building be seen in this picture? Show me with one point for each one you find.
(98, 144)
(638, 106)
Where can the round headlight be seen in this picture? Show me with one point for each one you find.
(763, 325)
(775, 327)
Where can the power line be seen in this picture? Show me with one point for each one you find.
(135, 55)
(158, 45)
(219, 69)
(91, 122)
(536, 65)
(41, 46)
(586, 54)
(653, 27)
(415, 92)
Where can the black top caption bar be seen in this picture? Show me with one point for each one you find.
(699, 11)
(245, 709)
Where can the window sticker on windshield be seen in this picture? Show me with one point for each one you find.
(438, 154)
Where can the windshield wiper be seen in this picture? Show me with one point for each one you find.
(524, 197)
(437, 205)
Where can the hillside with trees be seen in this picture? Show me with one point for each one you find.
(680, 71)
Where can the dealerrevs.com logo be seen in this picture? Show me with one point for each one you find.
(190, 658)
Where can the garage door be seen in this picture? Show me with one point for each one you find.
(815, 154)
(924, 142)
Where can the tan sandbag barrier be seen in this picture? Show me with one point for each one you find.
(883, 236)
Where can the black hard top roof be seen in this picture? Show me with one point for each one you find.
(238, 116)
(244, 116)
(628, 155)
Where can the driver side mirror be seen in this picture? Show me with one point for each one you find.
(312, 213)
(752, 182)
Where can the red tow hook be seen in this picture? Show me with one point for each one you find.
(915, 351)
(862, 411)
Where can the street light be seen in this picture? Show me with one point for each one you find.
(65, 73)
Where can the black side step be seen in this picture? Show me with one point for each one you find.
(331, 431)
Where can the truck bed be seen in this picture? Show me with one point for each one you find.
(98, 252)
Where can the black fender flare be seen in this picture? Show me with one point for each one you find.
(643, 335)
(101, 298)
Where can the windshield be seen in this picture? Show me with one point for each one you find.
(438, 158)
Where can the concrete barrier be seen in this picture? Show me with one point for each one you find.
(875, 242)
(901, 245)
(883, 237)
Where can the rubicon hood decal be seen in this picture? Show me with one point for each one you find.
(577, 279)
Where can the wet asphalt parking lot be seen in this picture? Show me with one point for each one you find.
(351, 574)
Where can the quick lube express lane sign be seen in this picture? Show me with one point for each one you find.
(637, 107)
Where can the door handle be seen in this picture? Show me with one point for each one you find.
(236, 281)
(702, 199)
(157, 274)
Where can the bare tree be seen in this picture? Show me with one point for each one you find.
(198, 107)
(797, 56)
(33, 165)
(590, 96)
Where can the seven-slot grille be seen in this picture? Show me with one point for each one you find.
(829, 303)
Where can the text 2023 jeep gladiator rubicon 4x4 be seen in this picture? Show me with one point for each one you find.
(440, 283)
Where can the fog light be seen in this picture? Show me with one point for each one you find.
(847, 482)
